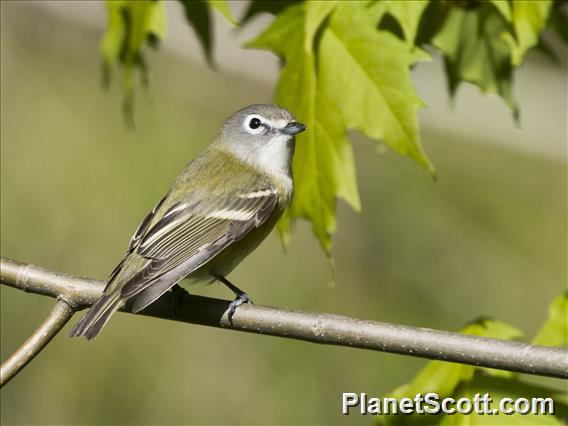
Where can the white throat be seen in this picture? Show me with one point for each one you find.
(275, 158)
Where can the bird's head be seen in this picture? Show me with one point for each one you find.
(262, 135)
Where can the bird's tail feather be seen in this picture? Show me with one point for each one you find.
(99, 314)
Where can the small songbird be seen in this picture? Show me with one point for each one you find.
(218, 210)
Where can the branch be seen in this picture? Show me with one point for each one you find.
(314, 327)
(55, 321)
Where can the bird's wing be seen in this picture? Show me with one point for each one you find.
(188, 235)
(140, 231)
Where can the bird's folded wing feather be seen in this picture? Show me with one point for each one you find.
(134, 241)
(188, 235)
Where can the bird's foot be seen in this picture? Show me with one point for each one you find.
(239, 300)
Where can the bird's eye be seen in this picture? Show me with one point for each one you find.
(255, 123)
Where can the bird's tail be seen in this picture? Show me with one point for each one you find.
(96, 318)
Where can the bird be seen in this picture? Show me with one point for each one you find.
(221, 206)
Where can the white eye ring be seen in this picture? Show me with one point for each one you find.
(254, 124)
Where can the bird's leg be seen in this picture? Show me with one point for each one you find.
(241, 296)
(178, 292)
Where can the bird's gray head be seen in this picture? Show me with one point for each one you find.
(262, 135)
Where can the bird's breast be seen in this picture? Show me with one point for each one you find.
(231, 256)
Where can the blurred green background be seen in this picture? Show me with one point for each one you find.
(488, 238)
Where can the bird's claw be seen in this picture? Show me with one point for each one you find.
(239, 300)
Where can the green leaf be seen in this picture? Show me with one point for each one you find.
(529, 18)
(432, 20)
(340, 72)
(443, 377)
(316, 13)
(494, 329)
(367, 72)
(223, 7)
(408, 15)
(475, 52)
(130, 26)
(504, 7)
(273, 7)
(556, 33)
(323, 165)
(487, 327)
(113, 39)
(559, 21)
(458, 380)
(554, 332)
(499, 388)
(198, 16)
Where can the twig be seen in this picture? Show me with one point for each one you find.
(314, 327)
(57, 318)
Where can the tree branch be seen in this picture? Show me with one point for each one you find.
(55, 321)
(315, 327)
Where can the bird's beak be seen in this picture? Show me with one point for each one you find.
(293, 128)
